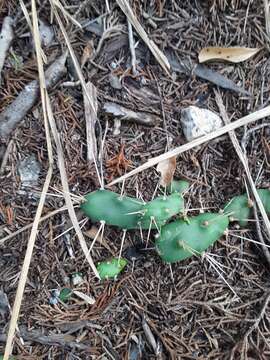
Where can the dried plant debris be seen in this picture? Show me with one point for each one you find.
(230, 54)
(6, 37)
(205, 73)
(167, 170)
(190, 309)
(125, 114)
(91, 119)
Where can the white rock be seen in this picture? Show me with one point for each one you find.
(197, 122)
(29, 170)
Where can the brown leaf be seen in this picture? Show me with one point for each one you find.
(231, 54)
(87, 53)
(167, 169)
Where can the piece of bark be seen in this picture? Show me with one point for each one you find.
(203, 72)
(17, 110)
(91, 118)
(123, 113)
(6, 37)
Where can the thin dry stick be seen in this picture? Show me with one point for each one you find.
(28, 20)
(158, 54)
(257, 115)
(25, 268)
(132, 48)
(32, 238)
(244, 161)
(26, 227)
(90, 119)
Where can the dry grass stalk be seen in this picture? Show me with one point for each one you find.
(158, 54)
(257, 115)
(77, 68)
(66, 192)
(34, 231)
(90, 119)
(28, 20)
(244, 161)
(66, 13)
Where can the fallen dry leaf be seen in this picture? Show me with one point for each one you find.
(231, 54)
(87, 53)
(167, 169)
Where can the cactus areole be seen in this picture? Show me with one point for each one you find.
(180, 240)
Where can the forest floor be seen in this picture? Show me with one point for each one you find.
(189, 309)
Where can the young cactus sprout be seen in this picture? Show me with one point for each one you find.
(158, 211)
(113, 209)
(239, 208)
(111, 268)
(180, 240)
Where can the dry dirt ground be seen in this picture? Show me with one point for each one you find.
(194, 313)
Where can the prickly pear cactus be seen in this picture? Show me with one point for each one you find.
(111, 268)
(239, 208)
(178, 186)
(113, 209)
(180, 240)
(157, 212)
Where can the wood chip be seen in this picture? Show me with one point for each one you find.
(88, 299)
(90, 119)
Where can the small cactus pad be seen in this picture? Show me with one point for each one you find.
(180, 240)
(161, 209)
(111, 268)
(239, 208)
(178, 186)
(104, 205)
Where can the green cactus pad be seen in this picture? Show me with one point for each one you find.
(161, 210)
(111, 268)
(180, 240)
(264, 195)
(239, 208)
(104, 205)
(178, 186)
